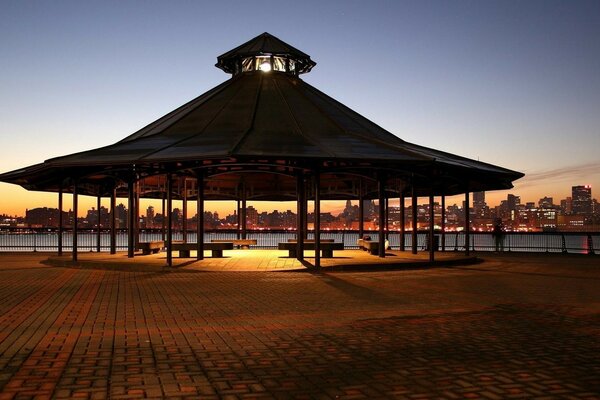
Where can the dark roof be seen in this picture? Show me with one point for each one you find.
(257, 115)
(268, 116)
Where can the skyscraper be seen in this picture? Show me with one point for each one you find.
(582, 199)
(479, 203)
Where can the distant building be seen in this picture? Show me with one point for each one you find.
(91, 219)
(44, 217)
(546, 202)
(251, 216)
(571, 222)
(479, 206)
(566, 205)
(582, 200)
(121, 216)
(150, 217)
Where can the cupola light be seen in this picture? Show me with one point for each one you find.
(265, 53)
(265, 66)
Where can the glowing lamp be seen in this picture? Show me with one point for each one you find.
(266, 66)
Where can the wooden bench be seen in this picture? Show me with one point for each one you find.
(327, 248)
(216, 248)
(154, 246)
(239, 243)
(311, 240)
(371, 246)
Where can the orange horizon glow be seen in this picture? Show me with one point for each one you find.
(14, 200)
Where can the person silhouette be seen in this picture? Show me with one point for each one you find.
(498, 234)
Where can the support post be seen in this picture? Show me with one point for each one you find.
(60, 221)
(113, 221)
(467, 225)
(414, 220)
(239, 219)
(361, 212)
(431, 226)
(317, 219)
(200, 219)
(300, 193)
(169, 220)
(402, 222)
(443, 223)
(164, 217)
(136, 215)
(75, 211)
(99, 233)
(131, 218)
(184, 211)
(243, 216)
(387, 218)
(382, 215)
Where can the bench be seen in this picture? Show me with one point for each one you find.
(371, 246)
(311, 240)
(216, 248)
(239, 243)
(327, 248)
(154, 246)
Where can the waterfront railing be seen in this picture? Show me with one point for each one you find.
(46, 240)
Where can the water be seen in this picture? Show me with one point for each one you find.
(528, 242)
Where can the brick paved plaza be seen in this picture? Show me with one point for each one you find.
(514, 326)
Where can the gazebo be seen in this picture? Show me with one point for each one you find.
(264, 134)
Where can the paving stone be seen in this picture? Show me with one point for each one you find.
(505, 328)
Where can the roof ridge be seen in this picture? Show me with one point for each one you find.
(196, 133)
(244, 135)
(355, 134)
(179, 112)
(317, 143)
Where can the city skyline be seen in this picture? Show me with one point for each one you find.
(513, 84)
(579, 212)
(228, 207)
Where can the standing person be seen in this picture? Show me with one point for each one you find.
(498, 234)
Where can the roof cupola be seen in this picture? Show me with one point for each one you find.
(265, 53)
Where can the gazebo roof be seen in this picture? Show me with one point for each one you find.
(259, 117)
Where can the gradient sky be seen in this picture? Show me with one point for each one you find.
(512, 83)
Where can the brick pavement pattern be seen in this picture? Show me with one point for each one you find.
(514, 326)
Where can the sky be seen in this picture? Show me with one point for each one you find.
(512, 83)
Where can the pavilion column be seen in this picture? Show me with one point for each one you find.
(382, 215)
(200, 219)
(169, 220)
(239, 219)
(300, 194)
(402, 222)
(164, 217)
(184, 211)
(467, 224)
(317, 219)
(387, 216)
(361, 212)
(60, 221)
(243, 216)
(113, 221)
(136, 215)
(414, 220)
(431, 227)
(443, 224)
(75, 212)
(131, 219)
(99, 233)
